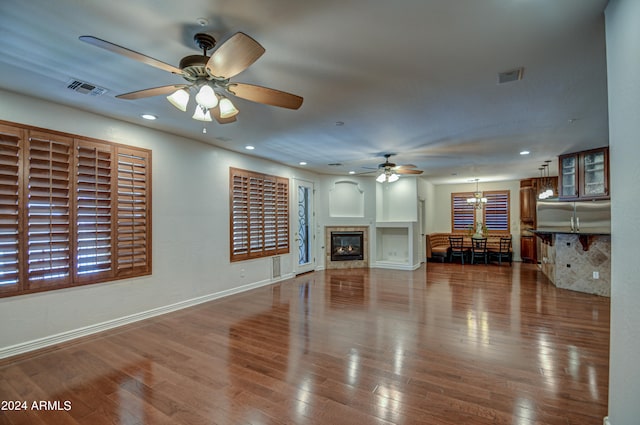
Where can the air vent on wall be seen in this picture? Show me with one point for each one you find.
(509, 76)
(85, 88)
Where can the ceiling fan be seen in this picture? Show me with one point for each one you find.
(208, 77)
(388, 171)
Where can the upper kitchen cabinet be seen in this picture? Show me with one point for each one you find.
(584, 175)
(528, 188)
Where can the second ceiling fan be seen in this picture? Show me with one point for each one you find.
(208, 77)
(388, 171)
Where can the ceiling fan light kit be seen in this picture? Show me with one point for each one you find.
(179, 99)
(209, 75)
(390, 172)
(227, 110)
(202, 114)
(206, 97)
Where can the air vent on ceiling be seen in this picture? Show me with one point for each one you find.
(85, 88)
(509, 76)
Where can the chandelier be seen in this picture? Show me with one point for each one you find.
(477, 200)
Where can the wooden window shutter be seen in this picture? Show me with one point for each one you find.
(49, 244)
(11, 145)
(496, 211)
(239, 214)
(270, 216)
(259, 214)
(94, 210)
(282, 215)
(462, 213)
(133, 229)
(256, 216)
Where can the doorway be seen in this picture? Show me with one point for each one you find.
(304, 235)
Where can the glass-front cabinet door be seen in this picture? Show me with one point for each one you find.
(584, 175)
(594, 174)
(568, 187)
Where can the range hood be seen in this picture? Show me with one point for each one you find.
(586, 217)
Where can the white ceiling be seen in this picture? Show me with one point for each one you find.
(411, 77)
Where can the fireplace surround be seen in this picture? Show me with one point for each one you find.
(347, 263)
(347, 246)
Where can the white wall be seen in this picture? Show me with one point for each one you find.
(427, 191)
(623, 62)
(345, 211)
(442, 205)
(190, 231)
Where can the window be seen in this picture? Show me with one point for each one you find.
(259, 215)
(72, 211)
(494, 214)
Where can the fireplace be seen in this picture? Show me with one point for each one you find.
(347, 246)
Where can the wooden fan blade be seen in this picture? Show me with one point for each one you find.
(156, 91)
(407, 166)
(215, 112)
(402, 171)
(234, 56)
(103, 44)
(265, 95)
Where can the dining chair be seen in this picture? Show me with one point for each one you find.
(504, 252)
(479, 250)
(457, 248)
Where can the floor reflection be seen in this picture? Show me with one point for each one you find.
(443, 345)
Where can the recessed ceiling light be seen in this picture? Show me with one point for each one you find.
(149, 117)
(249, 147)
(352, 172)
(302, 163)
(524, 152)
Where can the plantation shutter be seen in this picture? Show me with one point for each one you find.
(133, 240)
(282, 215)
(462, 213)
(11, 140)
(270, 216)
(256, 217)
(239, 214)
(94, 213)
(496, 211)
(49, 261)
(259, 222)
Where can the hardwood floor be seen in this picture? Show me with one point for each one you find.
(453, 345)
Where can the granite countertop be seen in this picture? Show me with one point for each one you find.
(567, 231)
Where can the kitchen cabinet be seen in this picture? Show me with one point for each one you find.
(528, 249)
(528, 189)
(584, 175)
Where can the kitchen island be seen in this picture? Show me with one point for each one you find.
(576, 261)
